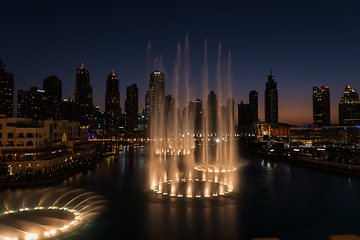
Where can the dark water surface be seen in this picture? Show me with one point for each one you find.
(272, 200)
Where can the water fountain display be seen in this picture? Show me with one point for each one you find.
(46, 213)
(175, 171)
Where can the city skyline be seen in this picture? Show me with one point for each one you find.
(122, 106)
(306, 45)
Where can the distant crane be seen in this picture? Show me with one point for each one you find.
(69, 97)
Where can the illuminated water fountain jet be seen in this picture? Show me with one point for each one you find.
(46, 213)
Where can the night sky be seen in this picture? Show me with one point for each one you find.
(305, 43)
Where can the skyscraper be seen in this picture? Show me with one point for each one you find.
(229, 115)
(99, 123)
(6, 91)
(244, 114)
(112, 105)
(349, 106)
(156, 91)
(31, 104)
(212, 113)
(156, 98)
(321, 106)
(131, 108)
(198, 117)
(68, 109)
(194, 112)
(21, 103)
(53, 91)
(248, 113)
(271, 100)
(253, 101)
(83, 97)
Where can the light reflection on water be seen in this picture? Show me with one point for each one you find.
(285, 201)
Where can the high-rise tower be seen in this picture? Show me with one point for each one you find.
(349, 106)
(271, 100)
(253, 101)
(83, 97)
(321, 106)
(6, 91)
(212, 113)
(112, 105)
(248, 113)
(131, 108)
(21, 104)
(229, 119)
(244, 114)
(31, 104)
(156, 97)
(52, 87)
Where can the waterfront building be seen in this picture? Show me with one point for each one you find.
(272, 130)
(53, 91)
(28, 146)
(271, 100)
(131, 108)
(349, 106)
(312, 136)
(83, 97)
(6, 91)
(321, 106)
(112, 105)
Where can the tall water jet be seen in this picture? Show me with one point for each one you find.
(204, 136)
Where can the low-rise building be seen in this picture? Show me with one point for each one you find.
(40, 147)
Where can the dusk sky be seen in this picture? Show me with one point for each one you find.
(305, 43)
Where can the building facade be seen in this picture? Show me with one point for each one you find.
(30, 146)
(6, 91)
(212, 113)
(112, 105)
(244, 114)
(53, 91)
(271, 100)
(68, 109)
(254, 105)
(84, 107)
(131, 108)
(32, 104)
(349, 106)
(156, 93)
(321, 106)
(155, 100)
(248, 113)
